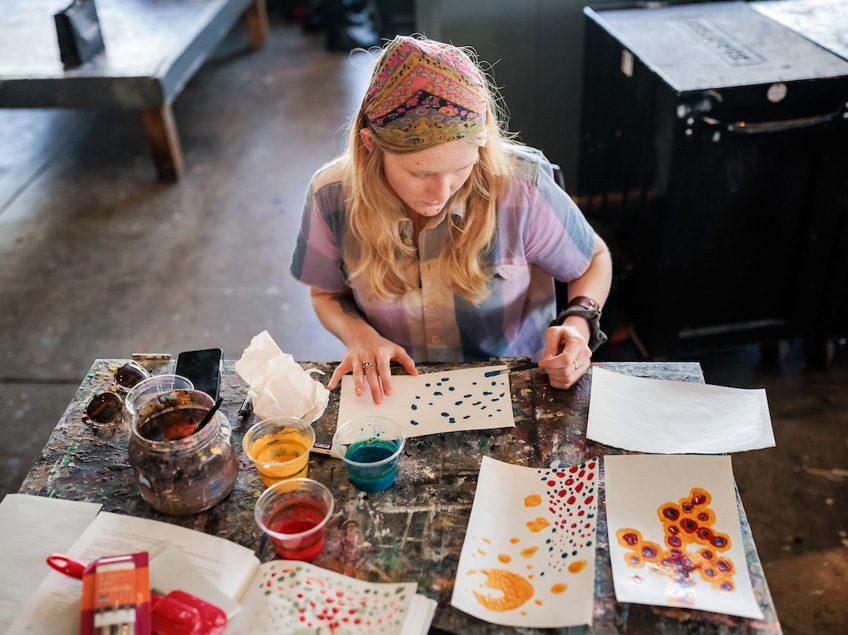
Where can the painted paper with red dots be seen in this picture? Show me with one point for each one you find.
(674, 534)
(529, 553)
(287, 596)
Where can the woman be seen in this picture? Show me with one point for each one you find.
(434, 239)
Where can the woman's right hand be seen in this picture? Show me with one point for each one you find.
(379, 352)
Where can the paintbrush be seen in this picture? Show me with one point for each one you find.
(209, 414)
(514, 369)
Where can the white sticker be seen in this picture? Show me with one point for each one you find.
(627, 62)
(776, 92)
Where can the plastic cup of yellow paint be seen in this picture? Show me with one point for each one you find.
(279, 447)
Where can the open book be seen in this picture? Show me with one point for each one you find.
(276, 597)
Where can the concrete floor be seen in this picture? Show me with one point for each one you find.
(98, 260)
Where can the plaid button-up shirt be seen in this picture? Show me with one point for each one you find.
(541, 234)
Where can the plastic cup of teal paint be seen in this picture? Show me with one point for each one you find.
(370, 448)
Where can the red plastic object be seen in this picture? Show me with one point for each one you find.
(67, 565)
(181, 613)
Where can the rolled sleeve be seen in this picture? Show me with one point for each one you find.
(557, 237)
(317, 260)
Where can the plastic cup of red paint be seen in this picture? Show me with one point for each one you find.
(294, 514)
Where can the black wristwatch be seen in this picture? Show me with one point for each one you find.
(587, 308)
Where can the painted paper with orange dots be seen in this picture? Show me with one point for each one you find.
(674, 533)
(529, 553)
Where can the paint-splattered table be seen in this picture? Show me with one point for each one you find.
(413, 531)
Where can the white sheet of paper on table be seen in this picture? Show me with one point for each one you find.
(449, 401)
(675, 417)
(528, 558)
(638, 490)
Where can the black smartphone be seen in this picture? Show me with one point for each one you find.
(202, 368)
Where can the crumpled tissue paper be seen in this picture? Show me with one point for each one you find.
(279, 387)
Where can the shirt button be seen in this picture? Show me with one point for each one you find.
(435, 339)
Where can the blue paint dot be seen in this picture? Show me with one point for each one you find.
(413, 422)
(451, 388)
(548, 541)
(428, 385)
(458, 403)
(473, 383)
(476, 403)
(502, 394)
(499, 410)
(445, 414)
(466, 417)
(482, 407)
(574, 553)
(565, 555)
(418, 396)
(495, 399)
(486, 393)
(468, 396)
(429, 403)
(414, 407)
(445, 378)
(490, 415)
(589, 543)
(494, 383)
(451, 420)
(437, 393)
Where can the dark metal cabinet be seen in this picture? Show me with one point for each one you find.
(711, 140)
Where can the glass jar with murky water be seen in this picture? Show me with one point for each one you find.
(180, 468)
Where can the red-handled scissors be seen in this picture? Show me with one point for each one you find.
(178, 613)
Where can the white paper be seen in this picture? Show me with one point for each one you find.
(449, 401)
(54, 606)
(287, 596)
(639, 490)
(675, 417)
(279, 387)
(529, 553)
(34, 527)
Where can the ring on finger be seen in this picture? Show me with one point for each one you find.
(576, 364)
(367, 365)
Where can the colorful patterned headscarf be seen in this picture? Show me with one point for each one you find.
(423, 93)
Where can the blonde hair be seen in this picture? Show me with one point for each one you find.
(374, 250)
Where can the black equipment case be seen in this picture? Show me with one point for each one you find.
(713, 141)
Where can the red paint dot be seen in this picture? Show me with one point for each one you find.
(551, 483)
(581, 473)
(560, 474)
(570, 500)
(590, 476)
(578, 487)
(569, 481)
(573, 469)
(589, 499)
(591, 465)
(581, 513)
(561, 493)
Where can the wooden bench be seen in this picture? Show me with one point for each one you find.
(152, 50)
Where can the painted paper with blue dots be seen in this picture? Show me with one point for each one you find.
(432, 403)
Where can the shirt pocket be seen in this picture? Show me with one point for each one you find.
(510, 281)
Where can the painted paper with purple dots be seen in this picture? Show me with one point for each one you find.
(674, 534)
(449, 401)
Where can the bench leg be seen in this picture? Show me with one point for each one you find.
(164, 141)
(257, 24)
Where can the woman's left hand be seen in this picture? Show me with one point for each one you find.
(567, 355)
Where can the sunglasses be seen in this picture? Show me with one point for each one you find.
(107, 406)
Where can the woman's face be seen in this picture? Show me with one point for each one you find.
(426, 179)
